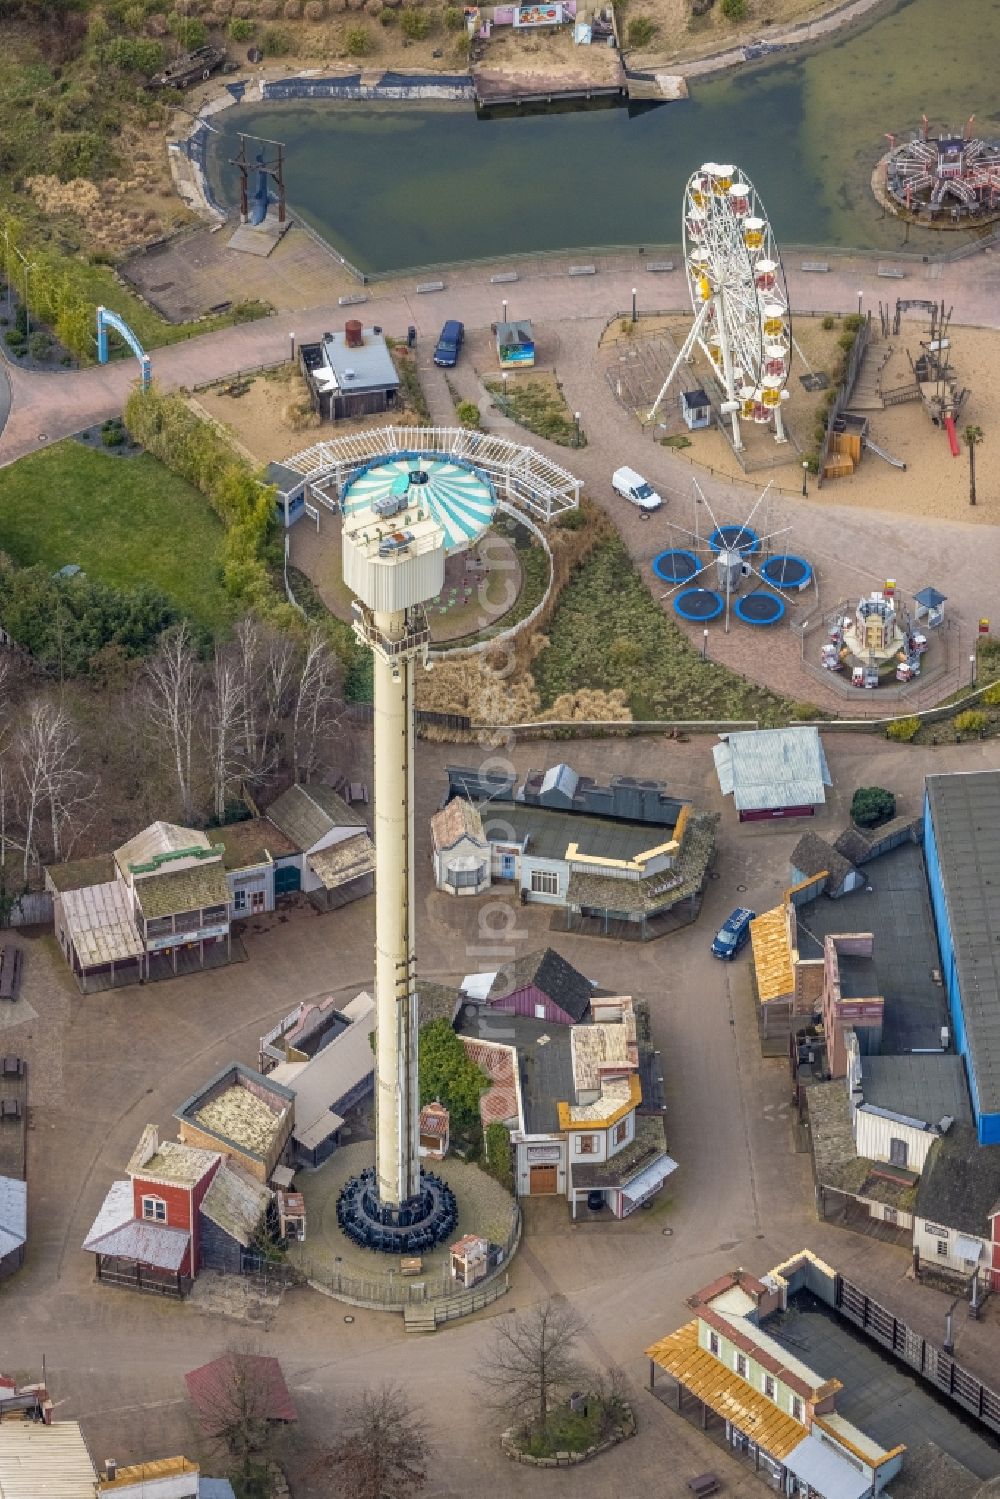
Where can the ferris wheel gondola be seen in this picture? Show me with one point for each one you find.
(738, 295)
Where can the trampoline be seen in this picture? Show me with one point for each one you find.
(787, 571)
(699, 604)
(759, 608)
(676, 566)
(735, 538)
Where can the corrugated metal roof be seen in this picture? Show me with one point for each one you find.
(351, 859)
(13, 1215)
(965, 813)
(235, 1203)
(191, 889)
(766, 768)
(117, 1231)
(772, 955)
(99, 921)
(45, 1462)
(724, 1392)
(305, 814)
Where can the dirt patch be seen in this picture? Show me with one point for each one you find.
(513, 61)
(681, 35)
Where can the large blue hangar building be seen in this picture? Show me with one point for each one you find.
(962, 849)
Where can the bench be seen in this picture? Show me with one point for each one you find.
(10, 972)
(815, 265)
(659, 265)
(411, 1265)
(705, 1483)
(894, 271)
(428, 286)
(502, 277)
(583, 270)
(352, 299)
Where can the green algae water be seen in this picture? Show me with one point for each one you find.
(394, 186)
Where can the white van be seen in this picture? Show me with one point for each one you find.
(632, 486)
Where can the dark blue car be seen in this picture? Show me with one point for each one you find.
(449, 344)
(734, 933)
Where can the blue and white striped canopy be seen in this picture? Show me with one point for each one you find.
(460, 498)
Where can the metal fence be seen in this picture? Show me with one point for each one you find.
(932, 1363)
(393, 1291)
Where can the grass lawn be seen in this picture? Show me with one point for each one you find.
(608, 631)
(123, 520)
(536, 402)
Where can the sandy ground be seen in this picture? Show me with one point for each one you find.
(513, 58)
(263, 422)
(682, 36)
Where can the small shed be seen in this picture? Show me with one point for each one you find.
(696, 409)
(813, 856)
(350, 373)
(929, 606)
(773, 773)
(435, 1131)
(470, 1259)
(291, 1216)
(515, 345)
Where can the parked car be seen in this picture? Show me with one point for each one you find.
(449, 344)
(633, 487)
(734, 934)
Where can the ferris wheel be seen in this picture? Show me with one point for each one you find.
(738, 296)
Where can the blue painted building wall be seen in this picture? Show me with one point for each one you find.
(987, 1125)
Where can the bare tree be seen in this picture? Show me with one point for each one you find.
(317, 698)
(174, 683)
(235, 1402)
(383, 1451)
(51, 779)
(226, 723)
(532, 1360)
(267, 670)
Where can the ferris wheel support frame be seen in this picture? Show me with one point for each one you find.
(682, 357)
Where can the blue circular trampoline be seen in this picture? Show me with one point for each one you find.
(676, 566)
(699, 604)
(735, 538)
(759, 608)
(787, 571)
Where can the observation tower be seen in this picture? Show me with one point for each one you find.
(403, 515)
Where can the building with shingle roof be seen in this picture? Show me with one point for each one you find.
(317, 821)
(544, 986)
(460, 849)
(813, 856)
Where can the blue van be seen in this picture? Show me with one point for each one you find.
(734, 933)
(449, 344)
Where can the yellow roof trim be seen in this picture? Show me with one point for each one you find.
(866, 1457)
(724, 1392)
(636, 865)
(587, 1126)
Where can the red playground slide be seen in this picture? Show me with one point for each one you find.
(949, 427)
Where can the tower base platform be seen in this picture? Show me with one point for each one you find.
(411, 1228)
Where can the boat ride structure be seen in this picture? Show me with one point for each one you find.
(945, 181)
(738, 295)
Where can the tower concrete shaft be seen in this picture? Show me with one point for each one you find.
(395, 645)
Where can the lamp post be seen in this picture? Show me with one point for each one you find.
(704, 645)
(503, 377)
(972, 670)
(576, 418)
(291, 340)
(27, 267)
(805, 478)
(504, 304)
(6, 265)
(635, 315)
(861, 298)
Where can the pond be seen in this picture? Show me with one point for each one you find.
(395, 186)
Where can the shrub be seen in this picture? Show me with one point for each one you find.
(499, 1159)
(828, 322)
(241, 30)
(572, 520)
(454, 19)
(190, 34)
(268, 9)
(357, 42)
(447, 1073)
(387, 17)
(903, 730)
(14, 338)
(39, 345)
(468, 413)
(292, 10)
(992, 695)
(972, 721)
(222, 8)
(640, 31)
(416, 24)
(134, 18)
(276, 41)
(157, 26)
(314, 10)
(735, 10)
(807, 711)
(853, 321)
(112, 437)
(846, 342)
(871, 806)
